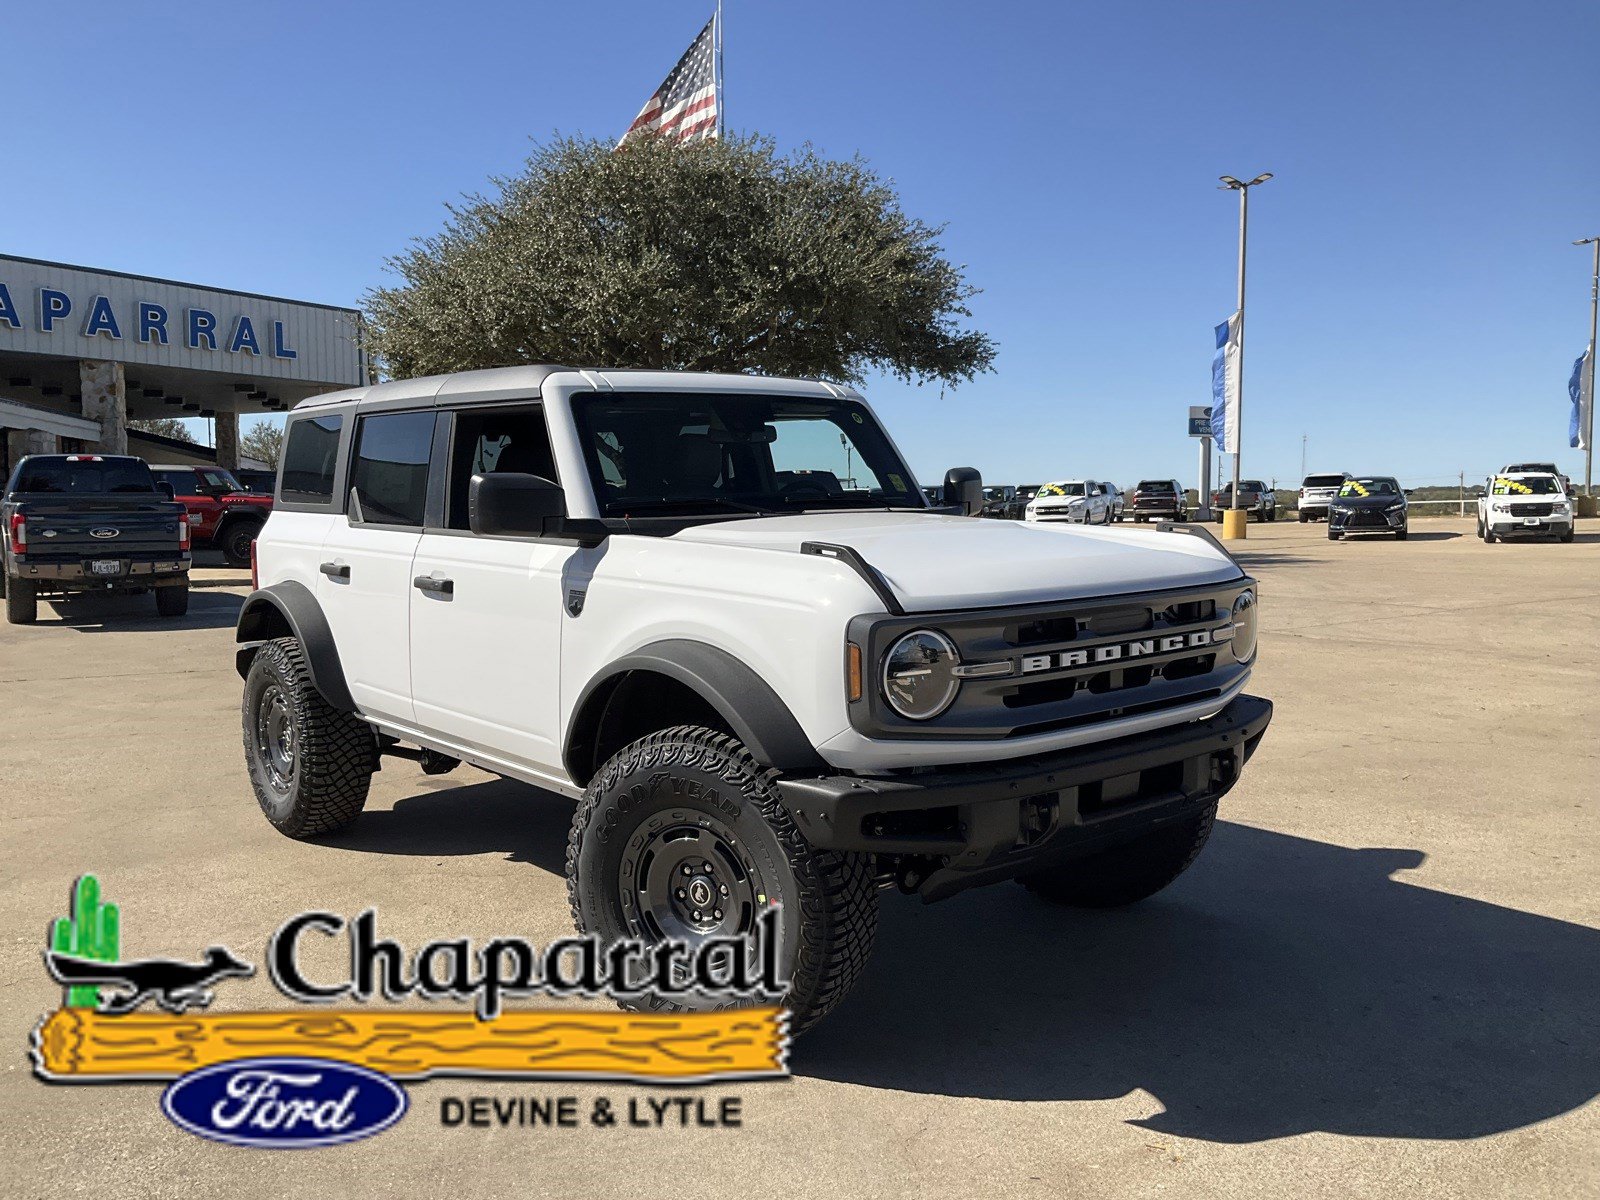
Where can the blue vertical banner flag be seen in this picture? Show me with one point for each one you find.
(1578, 387)
(1225, 386)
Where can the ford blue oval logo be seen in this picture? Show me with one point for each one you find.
(284, 1103)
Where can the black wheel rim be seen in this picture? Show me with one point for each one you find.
(276, 743)
(686, 875)
(239, 544)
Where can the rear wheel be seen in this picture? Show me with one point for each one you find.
(310, 764)
(681, 835)
(1127, 873)
(235, 542)
(173, 601)
(22, 602)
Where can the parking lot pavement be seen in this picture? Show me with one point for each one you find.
(1383, 975)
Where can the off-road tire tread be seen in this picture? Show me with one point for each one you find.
(336, 750)
(1123, 875)
(838, 894)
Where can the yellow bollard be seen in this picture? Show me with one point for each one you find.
(1234, 521)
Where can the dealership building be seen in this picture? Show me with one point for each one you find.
(84, 351)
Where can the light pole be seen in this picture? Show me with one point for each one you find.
(1229, 183)
(1594, 319)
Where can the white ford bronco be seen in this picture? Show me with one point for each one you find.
(719, 613)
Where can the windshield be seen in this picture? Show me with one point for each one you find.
(1323, 481)
(1532, 485)
(650, 453)
(1061, 489)
(1359, 488)
(54, 476)
(1163, 486)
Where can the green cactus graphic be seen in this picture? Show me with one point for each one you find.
(92, 931)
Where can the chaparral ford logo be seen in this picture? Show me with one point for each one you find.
(320, 1076)
(1171, 643)
(284, 1102)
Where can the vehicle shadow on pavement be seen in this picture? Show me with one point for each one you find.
(526, 824)
(137, 614)
(1282, 986)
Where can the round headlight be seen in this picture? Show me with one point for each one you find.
(1244, 626)
(919, 678)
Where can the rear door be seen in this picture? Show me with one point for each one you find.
(364, 583)
(487, 612)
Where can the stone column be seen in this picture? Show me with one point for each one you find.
(23, 442)
(105, 399)
(227, 426)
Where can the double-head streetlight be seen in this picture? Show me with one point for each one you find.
(1229, 183)
(1594, 352)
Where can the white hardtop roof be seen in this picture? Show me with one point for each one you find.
(509, 382)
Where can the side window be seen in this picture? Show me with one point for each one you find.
(497, 439)
(391, 467)
(310, 456)
(182, 481)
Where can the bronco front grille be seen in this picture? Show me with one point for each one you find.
(1071, 664)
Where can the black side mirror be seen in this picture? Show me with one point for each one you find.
(166, 489)
(511, 504)
(963, 489)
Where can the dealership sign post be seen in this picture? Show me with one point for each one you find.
(1200, 427)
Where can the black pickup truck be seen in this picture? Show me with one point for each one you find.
(91, 523)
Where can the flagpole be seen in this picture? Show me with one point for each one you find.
(721, 127)
(1594, 352)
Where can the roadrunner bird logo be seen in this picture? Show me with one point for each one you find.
(175, 986)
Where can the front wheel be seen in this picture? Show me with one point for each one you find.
(682, 835)
(235, 542)
(1127, 873)
(1333, 534)
(310, 763)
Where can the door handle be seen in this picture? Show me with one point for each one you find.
(439, 587)
(336, 570)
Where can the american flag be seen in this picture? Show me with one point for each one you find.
(684, 107)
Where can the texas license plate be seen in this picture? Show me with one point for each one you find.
(106, 566)
(1530, 520)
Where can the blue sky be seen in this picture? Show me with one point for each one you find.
(1415, 305)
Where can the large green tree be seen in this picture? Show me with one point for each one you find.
(720, 256)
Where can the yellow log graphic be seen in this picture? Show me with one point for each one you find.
(80, 1044)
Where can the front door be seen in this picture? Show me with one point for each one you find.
(365, 582)
(487, 612)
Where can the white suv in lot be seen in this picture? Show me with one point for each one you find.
(1317, 493)
(1525, 504)
(767, 670)
(1078, 501)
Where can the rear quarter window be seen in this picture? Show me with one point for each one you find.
(311, 459)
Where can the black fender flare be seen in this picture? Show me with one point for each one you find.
(290, 609)
(757, 715)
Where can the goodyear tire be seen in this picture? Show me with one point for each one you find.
(1127, 873)
(235, 542)
(173, 601)
(310, 764)
(682, 835)
(22, 602)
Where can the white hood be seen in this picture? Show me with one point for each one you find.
(938, 562)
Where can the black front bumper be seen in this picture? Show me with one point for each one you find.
(979, 824)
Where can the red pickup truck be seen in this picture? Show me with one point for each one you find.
(222, 514)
